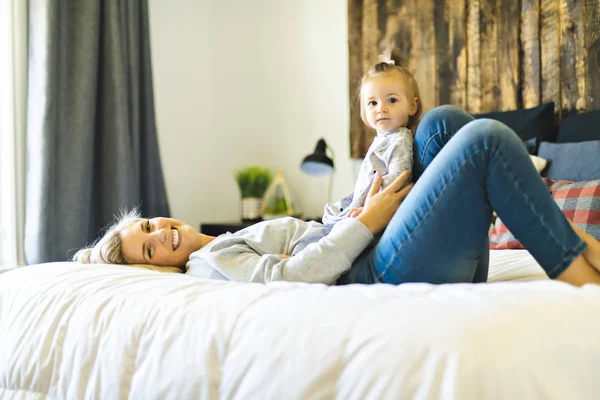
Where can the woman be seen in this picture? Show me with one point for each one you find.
(437, 234)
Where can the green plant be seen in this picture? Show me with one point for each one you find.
(278, 207)
(253, 181)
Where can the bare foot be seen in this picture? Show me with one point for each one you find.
(592, 253)
(579, 273)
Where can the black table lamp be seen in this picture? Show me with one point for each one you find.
(318, 163)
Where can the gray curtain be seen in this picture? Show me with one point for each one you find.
(91, 138)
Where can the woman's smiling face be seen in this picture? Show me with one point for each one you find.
(159, 241)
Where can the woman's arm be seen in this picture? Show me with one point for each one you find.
(382, 204)
(322, 261)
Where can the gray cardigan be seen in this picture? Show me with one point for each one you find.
(318, 254)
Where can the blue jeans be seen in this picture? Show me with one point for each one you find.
(466, 169)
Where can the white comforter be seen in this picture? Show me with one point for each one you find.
(70, 331)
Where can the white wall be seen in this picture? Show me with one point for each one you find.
(243, 82)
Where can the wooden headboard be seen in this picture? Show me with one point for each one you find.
(482, 55)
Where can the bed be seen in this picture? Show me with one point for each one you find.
(71, 331)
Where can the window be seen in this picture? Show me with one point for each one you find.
(12, 95)
(7, 162)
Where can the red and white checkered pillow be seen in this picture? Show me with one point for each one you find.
(579, 201)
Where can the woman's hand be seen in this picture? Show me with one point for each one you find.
(355, 212)
(381, 206)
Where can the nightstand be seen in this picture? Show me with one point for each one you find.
(218, 228)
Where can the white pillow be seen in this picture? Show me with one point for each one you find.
(539, 163)
(175, 270)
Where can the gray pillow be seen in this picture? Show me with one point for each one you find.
(571, 161)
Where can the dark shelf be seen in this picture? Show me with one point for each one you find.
(218, 228)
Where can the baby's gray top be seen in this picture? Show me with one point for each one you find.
(391, 153)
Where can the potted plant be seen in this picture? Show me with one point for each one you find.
(253, 181)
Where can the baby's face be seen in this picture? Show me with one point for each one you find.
(388, 105)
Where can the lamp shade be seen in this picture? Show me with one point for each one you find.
(318, 163)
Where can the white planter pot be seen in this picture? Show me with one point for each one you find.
(250, 208)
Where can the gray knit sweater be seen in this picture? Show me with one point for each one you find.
(250, 255)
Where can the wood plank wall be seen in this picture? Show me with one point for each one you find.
(482, 55)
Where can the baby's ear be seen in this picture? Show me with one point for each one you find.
(414, 107)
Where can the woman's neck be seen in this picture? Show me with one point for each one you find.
(204, 239)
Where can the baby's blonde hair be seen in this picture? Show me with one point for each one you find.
(391, 61)
(108, 249)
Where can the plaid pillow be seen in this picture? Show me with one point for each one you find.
(579, 201)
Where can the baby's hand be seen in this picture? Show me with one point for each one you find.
(283, 256)
(355, 212)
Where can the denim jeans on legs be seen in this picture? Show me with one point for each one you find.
(439, 233)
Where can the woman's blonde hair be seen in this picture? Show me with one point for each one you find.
(108, 249)
(391, 61)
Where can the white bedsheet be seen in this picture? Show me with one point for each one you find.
(70, 331)
(514, 266)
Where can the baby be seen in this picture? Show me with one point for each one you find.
(389, 103)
